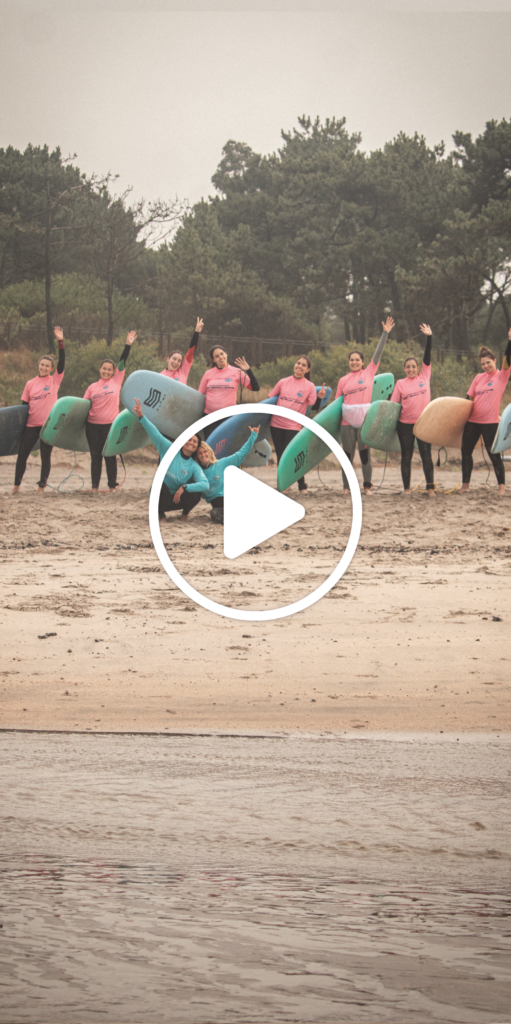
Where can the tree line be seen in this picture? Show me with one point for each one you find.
(313, 242)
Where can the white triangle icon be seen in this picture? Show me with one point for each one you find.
(253, 512)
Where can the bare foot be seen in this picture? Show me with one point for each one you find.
(407, 494)
(431, 493)
(368, 491)
(183, 517)
(502, 490)
(463, 489)
(345, 492)
(15, 489)
(40, 490)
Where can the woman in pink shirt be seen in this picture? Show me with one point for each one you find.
(178, 365)
(104, 395)
(40, 394)
(414, 394)
(221, 382)
(357, 388)
(295, 392)
(485, 392)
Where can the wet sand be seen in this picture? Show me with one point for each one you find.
(415, 637)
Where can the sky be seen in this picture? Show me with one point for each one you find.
(152, 92)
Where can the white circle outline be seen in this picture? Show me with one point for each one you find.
(238, 613)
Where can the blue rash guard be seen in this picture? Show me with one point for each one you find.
(182, 470)
(215, 473)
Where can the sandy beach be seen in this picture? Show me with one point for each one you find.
(415, 637)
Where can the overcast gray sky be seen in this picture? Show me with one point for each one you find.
(153, 95)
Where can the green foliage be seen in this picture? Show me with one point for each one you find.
(83, 362)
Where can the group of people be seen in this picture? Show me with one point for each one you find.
(196, 473)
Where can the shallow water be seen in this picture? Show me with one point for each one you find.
(148, 879)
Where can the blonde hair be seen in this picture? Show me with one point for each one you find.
(212, 456)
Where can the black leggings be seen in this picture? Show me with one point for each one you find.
(97, 434)
(185, 504)
(28, 440)
(281, 438)
(471, 434)
(407, 441)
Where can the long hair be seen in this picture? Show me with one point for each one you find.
(212, 456)
(487, 353)
(307, 375)
(214, 349)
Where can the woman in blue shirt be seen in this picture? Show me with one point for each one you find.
(184, 480)
(214, 469)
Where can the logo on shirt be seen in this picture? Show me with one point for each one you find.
(421, 385)
(361, 381)
(490, 383)
(299, 394)
(47, 388)
(228, 380)
(105, 386)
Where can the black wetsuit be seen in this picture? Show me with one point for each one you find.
(473, 431)
(29, 438)
(96, 434)
(407, 442)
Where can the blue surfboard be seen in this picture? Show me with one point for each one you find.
(503, 436)
(167, 403)
(228, 437)
(13, 420)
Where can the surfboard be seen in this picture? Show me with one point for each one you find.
(13, 420)
(167, 403)
(258, 456)
(443, 420)
(379, 427)
(503, 436)
(126, 435)
(306, 450)
(65, 426)
(228, 437)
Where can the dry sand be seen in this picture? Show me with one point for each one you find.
(415, 637)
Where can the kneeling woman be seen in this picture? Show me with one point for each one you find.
(485, 392)
(295, 392)
(104, 396)
(414, 394)
(40, 394)
(357, 388)
(221, 382)
(214, 470)
(184, 481)
(179, 365)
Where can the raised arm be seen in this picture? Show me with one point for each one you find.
(195, 341)
(387, 327)
(59, 334)
(426, 329)
(506, 362)
(126, 351)
(237, 458)
(161, 443)
(242, 364)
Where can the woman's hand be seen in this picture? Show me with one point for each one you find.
(388, 325)
(322, 391)
(137, 408)
(59, 333)
(131, 337)
(509, 333)
(255, 430)
(426, 329)
(241, 363)
(199, 325)
(177, 497)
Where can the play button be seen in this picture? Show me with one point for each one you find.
(253, 512)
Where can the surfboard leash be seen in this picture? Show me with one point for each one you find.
(60, 487)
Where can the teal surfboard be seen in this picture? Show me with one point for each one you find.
(503, 436)
(259, 455)
(379, 427)
(126, 435)
(65, 426)
(13, 420)
(306, 450)
(167, 403)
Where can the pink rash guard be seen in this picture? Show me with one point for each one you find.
(357, 388)
(104, 395)
(220, 387)
(487, 390)
(182, 374)
(41, 395)
(294, 393)
(414, 393)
